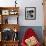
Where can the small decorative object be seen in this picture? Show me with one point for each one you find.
(13, 12)
(5, 12)
(30, 13)
(15, 3)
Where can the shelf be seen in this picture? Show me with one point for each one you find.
(7, 16)
(11, 41)
(10, 26)
(5, 12)
(9, 10)
(2, 8)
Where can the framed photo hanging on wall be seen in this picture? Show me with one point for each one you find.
(30, 13)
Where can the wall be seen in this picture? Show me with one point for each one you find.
(27, 3)
(39, 13)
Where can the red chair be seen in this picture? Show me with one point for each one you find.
(29, 33)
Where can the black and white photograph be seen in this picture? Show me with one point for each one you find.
(30, 13)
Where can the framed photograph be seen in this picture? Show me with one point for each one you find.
(5, 12)
(30, 13)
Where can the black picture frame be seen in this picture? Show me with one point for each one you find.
(30, 13)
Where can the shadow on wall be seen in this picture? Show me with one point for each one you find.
(37, 29)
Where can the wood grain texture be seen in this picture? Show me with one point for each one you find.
(9, 43)
(11, 26)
